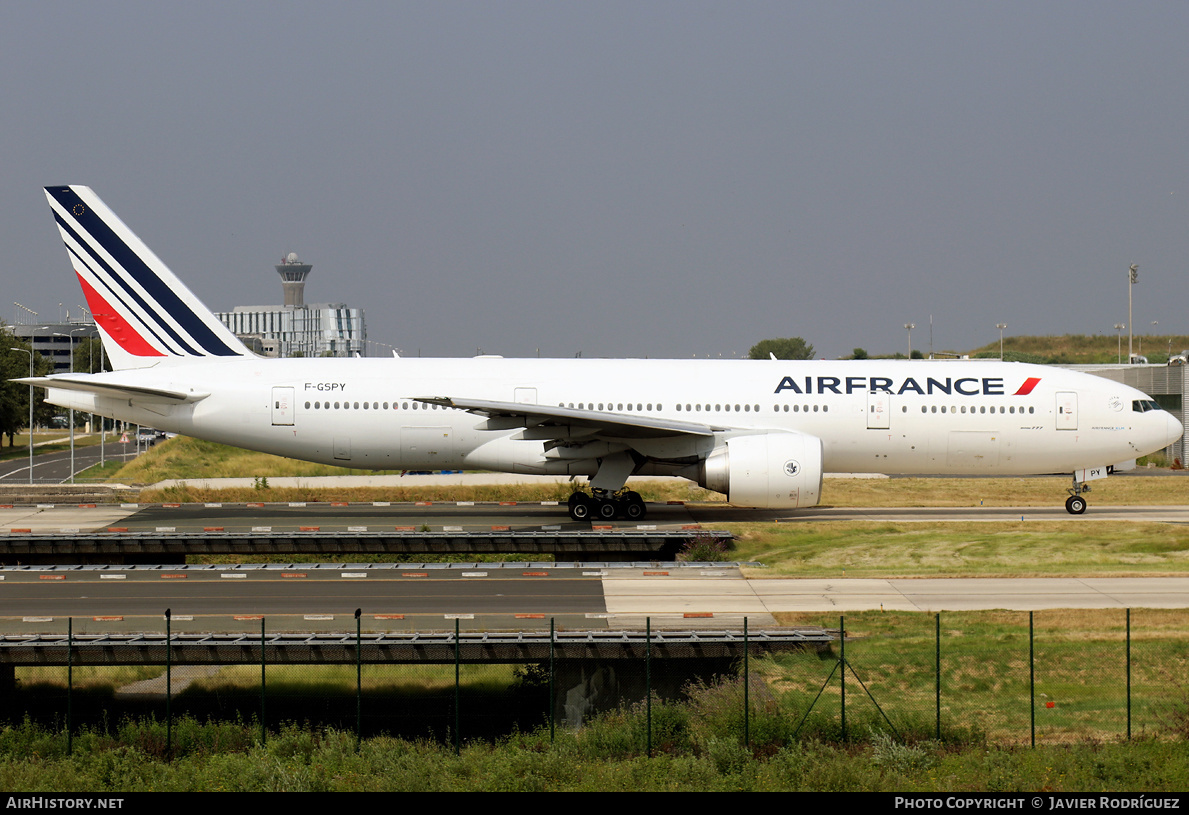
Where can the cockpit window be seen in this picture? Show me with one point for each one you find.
(1144, 405)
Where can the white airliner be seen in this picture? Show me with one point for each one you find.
(762, 432)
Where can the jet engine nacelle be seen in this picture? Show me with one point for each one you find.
(777, 469)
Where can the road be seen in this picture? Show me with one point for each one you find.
(416, 597)
(54, 468)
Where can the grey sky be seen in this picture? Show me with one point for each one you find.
(621, 179)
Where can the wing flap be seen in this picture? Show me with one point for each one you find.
(510, 415)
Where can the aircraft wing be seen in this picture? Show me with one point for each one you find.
(137, 393)
(537, 419)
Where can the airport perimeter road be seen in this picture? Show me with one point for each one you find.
(307, 597)
(301, 597)
(54, 468)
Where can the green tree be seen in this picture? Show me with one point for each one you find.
(859, 353)
(788, 348)
(14, 397)
(89, 357)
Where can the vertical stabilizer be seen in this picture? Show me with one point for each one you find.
(143, 312)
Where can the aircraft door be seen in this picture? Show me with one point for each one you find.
(879, 409)
(282, 406)
(1067, 410)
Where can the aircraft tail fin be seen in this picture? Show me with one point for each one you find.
(145, 315)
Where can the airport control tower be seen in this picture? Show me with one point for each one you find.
(293, 279)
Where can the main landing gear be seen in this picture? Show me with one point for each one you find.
(606, 506)
(1075, 504)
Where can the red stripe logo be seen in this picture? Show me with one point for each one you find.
(114, 325)
(1027, 387)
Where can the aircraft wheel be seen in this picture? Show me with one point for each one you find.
(634, 508)
(607, 510)
(1075, 505)
(580, 508)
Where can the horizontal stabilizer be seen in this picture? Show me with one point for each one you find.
(112, 389)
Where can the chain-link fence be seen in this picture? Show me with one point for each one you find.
(1007, 677)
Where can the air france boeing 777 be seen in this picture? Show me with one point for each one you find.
(762, 432)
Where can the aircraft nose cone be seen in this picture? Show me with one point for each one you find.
(1175, 430)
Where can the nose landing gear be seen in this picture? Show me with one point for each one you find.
(1075, 504)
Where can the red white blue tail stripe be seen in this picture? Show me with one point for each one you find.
(143, 311)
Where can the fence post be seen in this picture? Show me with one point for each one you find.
(552, 706)
(263, 662)
(358, 681)
(937, 673)
(1129, 674)
(457, 719)
(1031, 679)
(648, 678)
(746, 689)
(842, 664)
(69, 686)
(168, 683)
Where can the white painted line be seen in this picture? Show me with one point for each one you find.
(590, 615)
(356, 528)
(167, 529)
(353, 574)
(549, 503)
(183, 618)
(555, 526)
(37, 619)
(381, 503)
(70, 529)
(594, 574)
(474, 574)
(262, 529)
(451, 528)
(712, 574)
(213, 506)
(459, 616)
(318, 617)
(464, 503)
(297, 503)
(113, 577)
(129, 506)
(44, 506)
(233, 575)
(647, 527)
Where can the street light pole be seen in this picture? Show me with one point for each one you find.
(1001, 326)
(1132, 277)
(1119, 327)
(910, 327)
(30, 353)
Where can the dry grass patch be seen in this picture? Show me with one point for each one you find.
(1132, 490)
